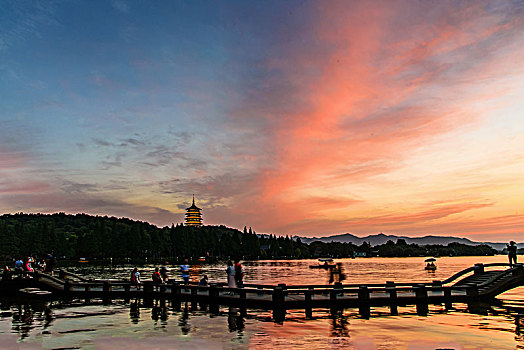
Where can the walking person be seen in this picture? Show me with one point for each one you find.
(512, 253)
(230, 271)
(239, 274)
(135, 278)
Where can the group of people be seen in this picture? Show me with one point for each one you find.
(235, 275)
(159, 276)
(30, 264)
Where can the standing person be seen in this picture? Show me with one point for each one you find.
(157, 279)
(50, 263)
(135, 278)
(164, 272)
(204, 282)
(230, 271)
(512, 253)
(184, 270)
(239, 274)
(41, 265)
(19, 264)
(27, 264)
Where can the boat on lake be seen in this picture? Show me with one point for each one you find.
(323, 263)
(430, 264)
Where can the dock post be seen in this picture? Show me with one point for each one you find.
(333, 303)
(87, 290)
(175, 296)
(279, 308)
(478, 269)
(107, 292)
(67, 287)
(363, 301)
(243, 302)
(284, 287)
(421, 295)
(202, 303)
(472, 291)
(391, 289)
(213, 298)
(194, 291)
(307, 300)
(127, 289)
(447, 298)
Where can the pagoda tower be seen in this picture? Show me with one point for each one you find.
(193, 215)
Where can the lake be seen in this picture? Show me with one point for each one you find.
(72, 325)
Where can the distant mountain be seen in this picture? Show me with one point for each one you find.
(381, 238)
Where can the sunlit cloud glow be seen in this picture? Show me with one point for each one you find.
(311, 119)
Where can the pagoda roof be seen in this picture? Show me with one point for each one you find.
(193, 206)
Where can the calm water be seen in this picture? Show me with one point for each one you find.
(58, 325)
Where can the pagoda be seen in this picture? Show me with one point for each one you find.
(193, 215)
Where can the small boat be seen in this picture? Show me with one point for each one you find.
(430, 266)
(324, 263)
(82, 260)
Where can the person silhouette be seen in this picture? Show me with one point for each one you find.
(512, 253)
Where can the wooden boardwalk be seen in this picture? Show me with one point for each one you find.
(475, 284)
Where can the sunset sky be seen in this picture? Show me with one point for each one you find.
(292, 117)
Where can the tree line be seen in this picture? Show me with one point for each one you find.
(102, 237)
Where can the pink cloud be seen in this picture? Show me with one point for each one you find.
(387, 82)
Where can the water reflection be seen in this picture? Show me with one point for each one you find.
(235, 320)
(183, 321)
(134, 311)
(32, 321)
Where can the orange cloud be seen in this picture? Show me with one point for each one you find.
(386, 84)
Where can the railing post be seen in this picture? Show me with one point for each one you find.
(333, 304)
(202, 303)
(67, 287)
(175, 296)
(284, 287)
(447, 298)
(421, 295)
(472, 291)
(87, 291)
(194, 292)
(363, 301)
(127, 290)
(279, 308)
(308, 295)
(213, 299)
(391, 289)
(107, 289)
(242, 302)
(478, 269)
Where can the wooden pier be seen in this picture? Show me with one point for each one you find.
(475, 284)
